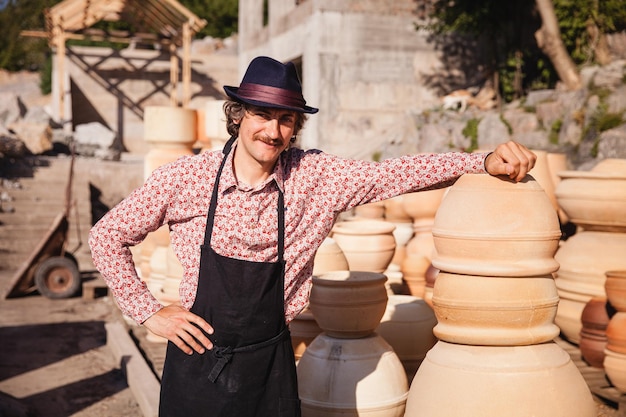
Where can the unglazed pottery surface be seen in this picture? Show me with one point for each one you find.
(491, 226)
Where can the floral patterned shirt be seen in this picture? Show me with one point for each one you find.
(317, 188)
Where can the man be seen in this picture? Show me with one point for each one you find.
(245, 224)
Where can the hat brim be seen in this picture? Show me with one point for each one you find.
(232, 92)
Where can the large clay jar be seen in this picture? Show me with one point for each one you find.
(484, 227)
(351, 377)
(616, 333)
(593, 333)
(375, 211)
(615, 369)
(557, 162)
(518, 381)
(596, 199)
(414, 274)
(368, 245)
(584, 258)
(348, 304)
(171, 133)
(395, 212)
(495, 311)
(431, 277)
(329, 257)
(615, 286)
(407, 326)
(423, 204)
(304, 329)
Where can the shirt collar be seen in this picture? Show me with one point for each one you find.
(228, 179)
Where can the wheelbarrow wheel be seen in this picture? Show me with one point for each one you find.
(57, 277)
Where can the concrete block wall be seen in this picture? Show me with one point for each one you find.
(363, 63)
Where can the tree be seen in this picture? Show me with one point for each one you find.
(550, 42)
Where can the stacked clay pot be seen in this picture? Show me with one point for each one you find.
(495, 302)
(368, 245)
(407, 326)
(615, 352)
(421, 207)
(593, 339)
(397, 215)
(596, 202)
(349, 369)
(171, 133)
(329, 257)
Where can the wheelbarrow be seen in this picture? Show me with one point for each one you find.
(50, 268)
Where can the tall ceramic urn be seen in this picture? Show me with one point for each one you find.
(348, 369)
(171, 133)
(495, 301)
(595, 201)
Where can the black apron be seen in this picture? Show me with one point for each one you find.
(251, 370)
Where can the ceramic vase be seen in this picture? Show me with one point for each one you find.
(513, 381)
(329, 257)
(374, 211)
(497, 233)
(304, 329)
(495, 311)
(368, 245)
(596, 199)
(615, 369)
(616, 333)
(414, 274)
(615, 287)
(407, 326)
(584, 258)
(593, 333)
(394, 210)
(348, 304)
(351, 377)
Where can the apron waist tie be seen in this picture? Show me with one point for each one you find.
(225, 354)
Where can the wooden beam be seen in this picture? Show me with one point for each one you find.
(186, 64)
(173, 75)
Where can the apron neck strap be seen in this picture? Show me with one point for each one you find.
(213, 205)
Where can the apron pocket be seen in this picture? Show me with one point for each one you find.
(289, 407)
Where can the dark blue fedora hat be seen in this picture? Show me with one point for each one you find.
(270, 83)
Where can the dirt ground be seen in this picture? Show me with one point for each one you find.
(54, 361)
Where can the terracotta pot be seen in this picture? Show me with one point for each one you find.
(407, 326)
(615, 369)
(171, 133)
(477, 381)
(395, 212)
(368, 245)
(584, 258)
(351, 377)
(593, 334)
(615, 286)
(431, 276)
(494, 227)
(592, 349)
(595, 317)
(329, 257)
(495, 311)
(303, 329)
(596, 199)
(414, 269)
(214, 126)
(616, 333)
(423, 204)
(348, 304)
(371, 210)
